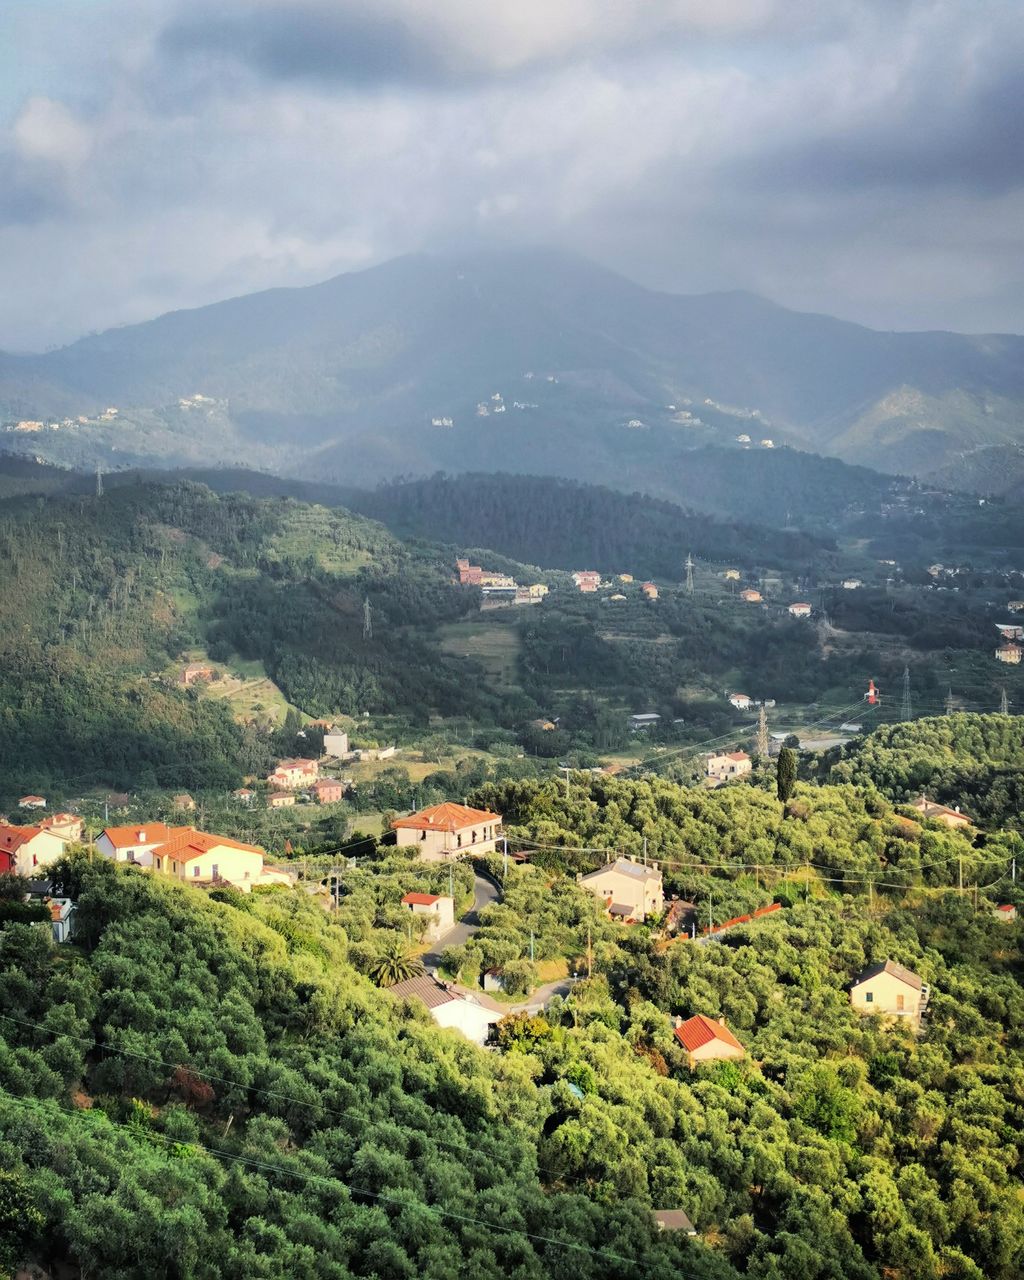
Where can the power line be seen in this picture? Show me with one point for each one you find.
(303, 1175)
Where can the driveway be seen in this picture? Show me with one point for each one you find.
(485, 891)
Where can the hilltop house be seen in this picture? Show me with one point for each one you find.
(890, 989)
(649, 590)
(1006, 912)
(31, 802)
(294, 774)
(741, 700)
(1010, 653)
(1011, 630)
(449, 830)
(336, 743)
(851, 584)
(244, 795)
(184, 802)
(800, 610)
(706, 1040)
(728, 764)
(673, 1220)
(280, 799)
(25, 849)
(587, 579)
(631, 890)
(327, 790)
(469, 574)
(751, 596)
(731, 575)
(1016, 606)
(437, 909)
(472, 1013)
(940, 813)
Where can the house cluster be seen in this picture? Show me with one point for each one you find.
(498, 588)
(199, 857)
(449, 831)
(291, 779)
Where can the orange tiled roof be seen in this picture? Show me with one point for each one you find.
(140, 833)
(12, 837)
(699, 1030)
(420, 899)
(187, 843)
(444, 817)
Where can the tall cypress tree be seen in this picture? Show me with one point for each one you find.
(785, 773)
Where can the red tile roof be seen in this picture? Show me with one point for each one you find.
(444, 817)
(699, 1030)
(187, 843)
(140, 833)
(421, 899)
(12, 837)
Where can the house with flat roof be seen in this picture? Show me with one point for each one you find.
(449, 830)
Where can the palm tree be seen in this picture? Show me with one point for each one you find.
(395, 964)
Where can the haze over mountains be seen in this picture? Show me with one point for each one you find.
(529, 361)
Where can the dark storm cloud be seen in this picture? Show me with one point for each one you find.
(358, 46)
(861, 157)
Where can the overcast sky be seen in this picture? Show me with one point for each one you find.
(858, 157)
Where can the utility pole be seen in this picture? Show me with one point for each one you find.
(590, 955)
(99, 480)
(645, 851)
(960, 878)
(562, 768)
(531, 946)
(367, 619)
(761, 742)
(1004, 702)
(504, 859)
(907, 708)
(949, 701)
(1013, 870)
(689, 574)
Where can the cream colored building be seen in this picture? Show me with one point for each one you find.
(470, 1012)
(449, 830)
(729, 764)
(630, 890)
(202, 858)
(30, 848)
(706, 1040)
(889, 989)
(134, 844)
(438, 910)
(940, 813)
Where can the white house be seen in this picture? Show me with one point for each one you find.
(449, 830)
(336, 744)
(641, 723)
(29, 848)
(134, 844)
(472, 1013)
(800, 610)
(741, 701)
(62, 919)
(437, 909)
(851, 584)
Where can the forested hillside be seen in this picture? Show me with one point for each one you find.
(973, 761)
(565, 525)
(104, 595)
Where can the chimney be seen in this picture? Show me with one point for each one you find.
(141, 837)
(721, 1022)
(677, 1021)
(654, 865)
(956, 808)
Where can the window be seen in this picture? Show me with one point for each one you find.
(215, 871)
(423, 835)
(195, 870)
(458, 841)
(869, 997)
(899, 1004)
(157, 860)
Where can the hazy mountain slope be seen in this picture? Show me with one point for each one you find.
(341, 380)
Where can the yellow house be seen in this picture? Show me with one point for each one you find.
(631, 890)
(706, 1040)
(889, 989)
(940, 813)
(202, 858)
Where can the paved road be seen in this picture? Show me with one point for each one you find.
(543, 994)
(485, 891)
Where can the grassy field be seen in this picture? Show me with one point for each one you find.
(495, 645)
(246, 688)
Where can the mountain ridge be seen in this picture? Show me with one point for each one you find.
(410, 362)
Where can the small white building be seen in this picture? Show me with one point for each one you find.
(800, 610)
(336, 744)
(449, 830)
(642, 723)
(471, 1013)
(741, 701)
(437, 909)
(851, 584)
(62, 919)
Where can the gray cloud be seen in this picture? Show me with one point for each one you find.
(868, 164)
